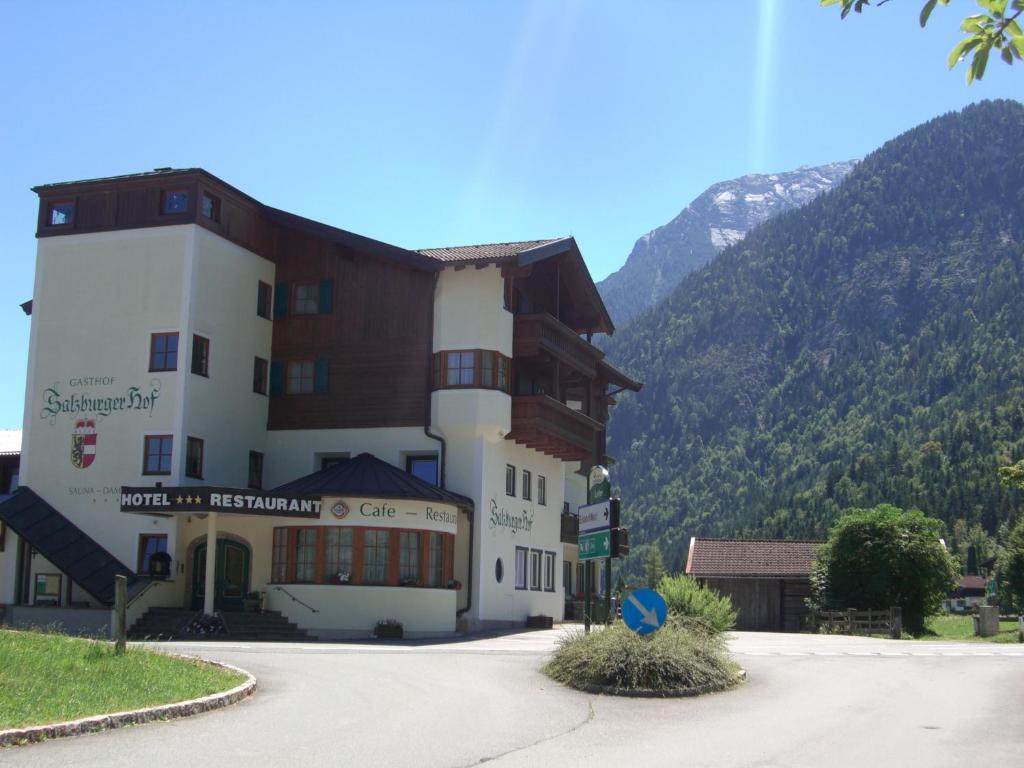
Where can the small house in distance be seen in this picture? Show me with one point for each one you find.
(768, 580)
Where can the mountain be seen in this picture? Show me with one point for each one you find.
(720, 217)
(865, 348)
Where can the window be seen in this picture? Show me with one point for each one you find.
(156, 455)
(460, 368)
(521, 567)
(305, 554)
(304, 377)
(307, 299)
(527, 484)
(211, 207)
(48, 587)
(408, 557)
(338, 555)
(279, 556)
(567, 577)
(435, 560)
(175, 201)
(549, 571)
(479, 368)
(263, 299)
(535, 569)
(149, 545)
(259, 376)
(375, 555)
(200, 355)
(255, 469)
(194, 458)
(510, 480)
(60, 214)
(332, 460)
(424, 467)
(163, 352)
(300, 377)
(542, 490)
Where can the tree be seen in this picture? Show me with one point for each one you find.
(885, 556)
(655, 566)
(1011, 566)
(996, 28)
(1013, 475)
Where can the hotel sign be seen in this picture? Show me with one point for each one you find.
(196, 499)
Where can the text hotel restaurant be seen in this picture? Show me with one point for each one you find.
(363, 432)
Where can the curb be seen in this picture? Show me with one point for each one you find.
(36, 733)
(667, 693)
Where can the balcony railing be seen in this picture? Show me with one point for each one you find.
(547, 425)
(570, 529)
(533, 334)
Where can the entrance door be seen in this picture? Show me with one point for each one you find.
(231, 582)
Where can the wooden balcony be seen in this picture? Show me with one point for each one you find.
(533, 335)
(547, 425)
(570, 531)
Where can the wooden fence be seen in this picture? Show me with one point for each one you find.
(886, 621)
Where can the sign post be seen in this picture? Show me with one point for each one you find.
(644, 611)
(598, 544)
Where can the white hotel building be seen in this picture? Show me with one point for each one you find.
(366, 432)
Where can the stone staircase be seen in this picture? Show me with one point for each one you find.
(172, 623)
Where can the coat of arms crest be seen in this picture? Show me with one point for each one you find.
(83, 443)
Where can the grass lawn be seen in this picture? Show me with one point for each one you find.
(48, 678)
(962, 628)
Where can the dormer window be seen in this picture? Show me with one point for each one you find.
(175, 201)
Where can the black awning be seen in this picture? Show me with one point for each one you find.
(64, 544)
(366, 475)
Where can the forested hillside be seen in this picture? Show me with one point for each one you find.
(866, 348)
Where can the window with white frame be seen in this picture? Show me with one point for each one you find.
(510, 480)
(535, 569)
(527, 485)
(549, 571)
(521, 567)
(542, 490)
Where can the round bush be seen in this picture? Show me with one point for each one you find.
(672, 658)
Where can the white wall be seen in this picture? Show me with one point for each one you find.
(97, 299)
(294, 453)
(468, 311)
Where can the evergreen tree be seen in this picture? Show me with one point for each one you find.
(655, 566)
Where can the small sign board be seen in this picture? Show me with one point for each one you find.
(595, 517)
(595, 545)
(644, 611)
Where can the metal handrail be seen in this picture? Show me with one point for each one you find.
(293, 597)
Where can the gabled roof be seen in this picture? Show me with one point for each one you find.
(367, 476)
(749, 558)
(487, 253)
(526, 252)
(64, 544)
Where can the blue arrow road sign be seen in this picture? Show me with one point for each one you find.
(644, 611)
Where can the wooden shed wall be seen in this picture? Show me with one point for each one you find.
(765, 605)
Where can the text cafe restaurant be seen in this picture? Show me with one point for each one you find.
(230, 403)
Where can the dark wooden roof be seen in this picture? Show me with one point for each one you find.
(64, 544)
(751, 558)
(367, 476)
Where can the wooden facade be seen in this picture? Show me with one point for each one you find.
(371, 336)
(376, 338)
(766, 605)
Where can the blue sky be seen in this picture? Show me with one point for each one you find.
(427, 124)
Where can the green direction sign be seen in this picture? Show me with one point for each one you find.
(595, 546)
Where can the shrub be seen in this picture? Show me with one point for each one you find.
(688, 600)
(670, 659)
(1011, 567)
(881, 557)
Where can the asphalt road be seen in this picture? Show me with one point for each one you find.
(809, 701)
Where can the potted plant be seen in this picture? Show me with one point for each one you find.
(388, 629)
(455, 584)
(342, 577)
